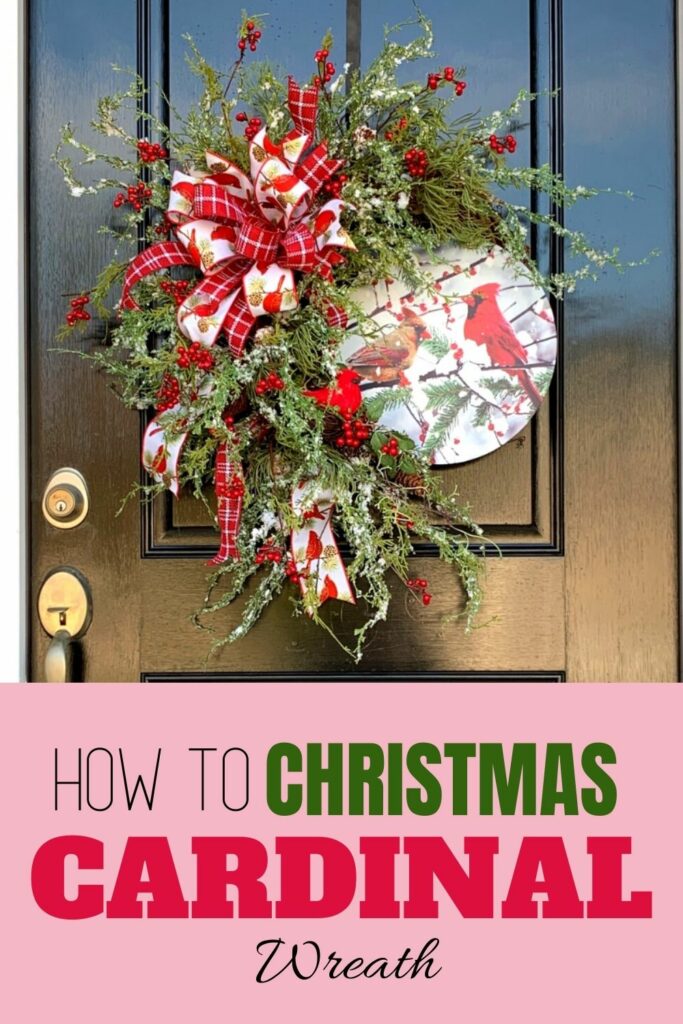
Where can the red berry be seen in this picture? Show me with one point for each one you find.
(250, 26)
(426, 599)
(242, 44)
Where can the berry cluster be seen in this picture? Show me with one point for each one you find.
(291, 571)
(416, 162)
(150, 152)
(269, 384)
(333, 186)
(136, 196)
(249, 38)
(500, 145)
(232, 488)
(168, 394)
(391, 447)
(400, 126)
(195, 354)
(326, 68)
(457, 351)
(447, 75)
(78, 310)
(177, 289)
(417, 585)
(354, 434)
(253, 126)
(268, 553)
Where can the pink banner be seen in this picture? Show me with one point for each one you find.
(359, 822)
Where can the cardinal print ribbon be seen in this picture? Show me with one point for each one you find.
(319, 565)
(249, 234)
(162, 448)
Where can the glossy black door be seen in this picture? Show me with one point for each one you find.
(585, 507)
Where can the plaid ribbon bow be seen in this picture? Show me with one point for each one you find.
(248, 235)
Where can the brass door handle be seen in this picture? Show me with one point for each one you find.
(65, 611)
(58, 660)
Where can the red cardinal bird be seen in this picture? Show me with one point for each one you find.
(201, 309)
(346, 396)
(193, 249)
(185, 189)
(392, 354)
(486, 325)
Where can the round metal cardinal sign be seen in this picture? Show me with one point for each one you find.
(463, 366)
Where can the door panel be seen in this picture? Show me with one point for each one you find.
(601, 606)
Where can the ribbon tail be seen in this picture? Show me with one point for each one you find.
(161, 455)
(229, 486)
(303, 106)
(321, 570)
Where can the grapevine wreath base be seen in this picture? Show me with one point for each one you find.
(271, 227)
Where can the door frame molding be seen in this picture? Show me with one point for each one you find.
(14, 610)
(678, 69)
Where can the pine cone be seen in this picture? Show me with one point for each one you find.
(411, 481)
(332, 426)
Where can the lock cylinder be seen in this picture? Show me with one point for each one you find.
(65, 499)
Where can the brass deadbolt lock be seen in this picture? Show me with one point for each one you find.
(65, 501)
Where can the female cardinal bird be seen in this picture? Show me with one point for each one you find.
(345, 396)
(389, 356)
(486, 325)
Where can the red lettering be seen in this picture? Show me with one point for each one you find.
(430, 857)
(153, 854)
(607, 853)
(47, 877)
(213, 877)
(548, 854)
(339, 876)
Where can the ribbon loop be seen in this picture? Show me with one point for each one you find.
(212, 201)
(299, 248)
(257, 241)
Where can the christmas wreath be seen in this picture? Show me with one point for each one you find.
(288, 245)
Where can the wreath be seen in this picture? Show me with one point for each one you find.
(289, 244)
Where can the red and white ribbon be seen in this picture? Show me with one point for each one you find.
(319, 565)
(229, 486)
(248, 235)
